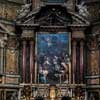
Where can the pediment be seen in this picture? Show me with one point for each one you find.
(2, 30)
(5, 30)
(54, 16)
(79, 20)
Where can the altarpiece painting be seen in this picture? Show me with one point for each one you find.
(53, 57)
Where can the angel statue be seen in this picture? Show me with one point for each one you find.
(24, 11)
(83, 9)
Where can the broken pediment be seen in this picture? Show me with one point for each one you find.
(54, 16)
(78, 20)
(4, 29)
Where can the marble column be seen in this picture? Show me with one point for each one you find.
(33, 3)
(1, 60)
(74, 59)
(36, 3)
(31, 61)
(1, 55)
(19, 94)
(4, 96)
(24, 60)
(81, 60)
(86, 95)
(25, 1)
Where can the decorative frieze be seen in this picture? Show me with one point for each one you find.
(11, 79)
(27, 33)
(78, 34)
(8, 11)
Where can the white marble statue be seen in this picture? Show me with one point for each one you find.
(2, 42)
(83, 10)
(23, 11)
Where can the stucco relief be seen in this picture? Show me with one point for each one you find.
(11, 12)
(8, 11)
(83, 10)
(94, 62)
(95, 13)
(11, 57)
(11, 62)
(93, 58)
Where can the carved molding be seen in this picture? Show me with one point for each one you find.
(3, 41)
(92, 43)
(12, 43)
(78, 34)
(28, 33)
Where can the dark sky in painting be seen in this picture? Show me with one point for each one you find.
(52, 44)
(52, 50)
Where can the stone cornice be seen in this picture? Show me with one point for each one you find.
(95, 86)
(91, 1)
(16, 1)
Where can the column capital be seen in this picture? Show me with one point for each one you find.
(78, 34)
(74, 42)
(76, 28)
(82, 42)
(27, 33)
(31, 42)
(24, 42)
(2, 43)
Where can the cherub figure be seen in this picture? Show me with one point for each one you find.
(83, 10)
(24, 11)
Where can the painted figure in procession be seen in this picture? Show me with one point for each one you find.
(53, 57)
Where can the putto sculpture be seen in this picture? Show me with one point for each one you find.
(82, 8)
(23, 11)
